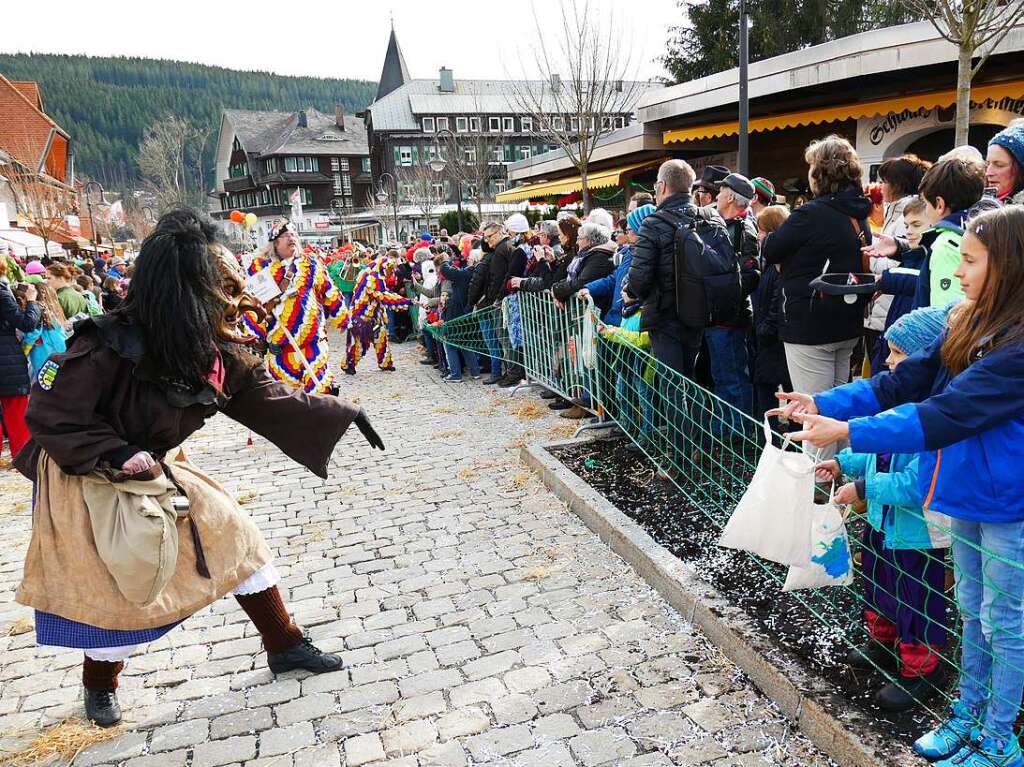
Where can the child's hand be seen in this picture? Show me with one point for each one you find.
(846, 494)
(827, 471)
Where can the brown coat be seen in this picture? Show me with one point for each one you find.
(100, 403)
(104, 404)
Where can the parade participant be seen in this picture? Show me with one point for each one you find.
(294, 329)
(106, 419)
(368, 322)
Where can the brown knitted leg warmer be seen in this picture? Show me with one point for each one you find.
(270, 616)
(100, 674)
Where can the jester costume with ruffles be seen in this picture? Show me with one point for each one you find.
(308, 298)
(368, 323)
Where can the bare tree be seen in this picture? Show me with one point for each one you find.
(418, 185)
(583, 79)
(472, 161)
(38, 198)
(170, 158)
(975, 27)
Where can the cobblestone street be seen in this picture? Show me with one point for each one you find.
(480, 621)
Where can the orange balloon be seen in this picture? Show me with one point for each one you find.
(237, 216)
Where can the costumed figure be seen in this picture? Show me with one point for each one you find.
(128, 538)
(368, 323)
(294, 329)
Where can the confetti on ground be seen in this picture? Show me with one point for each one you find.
(444, 409)
(527, 411)
(450, 434)
(64, 740)
(20, 626)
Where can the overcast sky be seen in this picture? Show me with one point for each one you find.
(339, 38)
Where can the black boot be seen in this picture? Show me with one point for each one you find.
(911, 692)
(101, 707)
(872, 656)
(548, 394)
(306, 656)
(560, 404)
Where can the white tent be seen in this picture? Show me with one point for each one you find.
(28, 244)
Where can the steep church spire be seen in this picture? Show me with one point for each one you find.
(394, 74)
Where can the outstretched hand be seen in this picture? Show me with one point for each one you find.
(363, 422)
(819, 430)
(796, 404)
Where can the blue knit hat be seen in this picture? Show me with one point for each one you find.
(636, 217)
(915, 331)
(1012, 140)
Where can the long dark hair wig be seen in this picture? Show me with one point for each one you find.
(172, 297)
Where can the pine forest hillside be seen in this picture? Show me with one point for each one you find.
(106, 103)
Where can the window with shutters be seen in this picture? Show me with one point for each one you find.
(405, 155)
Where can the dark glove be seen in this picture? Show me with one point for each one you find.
(363, 422)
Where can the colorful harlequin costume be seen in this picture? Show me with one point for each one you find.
(308, 298)
(368, 323)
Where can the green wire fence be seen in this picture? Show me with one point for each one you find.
(709, 451)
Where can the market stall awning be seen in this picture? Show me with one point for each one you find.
(28, 244)
(1012, 89)
(597, 180)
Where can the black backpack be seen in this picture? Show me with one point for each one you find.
(707, 272)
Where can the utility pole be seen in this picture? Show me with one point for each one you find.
(744, 138)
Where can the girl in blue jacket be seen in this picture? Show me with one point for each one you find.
(903, 554)
(960, 404)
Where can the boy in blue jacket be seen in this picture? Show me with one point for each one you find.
(903, 549)
(960, 405)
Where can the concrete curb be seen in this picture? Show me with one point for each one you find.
(783, 681)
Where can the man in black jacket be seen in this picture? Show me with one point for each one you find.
(480, 295)
(727, 344)
(652, 274)
(652, 281)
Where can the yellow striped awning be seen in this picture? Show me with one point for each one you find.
(1012, 89)
(597, 180)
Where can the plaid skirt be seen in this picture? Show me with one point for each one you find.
(62, 632)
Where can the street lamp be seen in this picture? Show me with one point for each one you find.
(743, 147)
(87, 191)
(382, 196)
(438, 165)
(336, 208)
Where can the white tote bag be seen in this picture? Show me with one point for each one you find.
(831, 561)
(774, 517)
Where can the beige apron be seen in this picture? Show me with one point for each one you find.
(65, 575)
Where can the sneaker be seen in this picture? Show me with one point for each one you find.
(304, 655)
(101, 707)
(475, 376)
(491, 380)
(949, 737)
(987, 752)
(873, 656)
(427, 361)
(452, 379)
(575, 413)
(910, 692)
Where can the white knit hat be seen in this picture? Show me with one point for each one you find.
(517, 223)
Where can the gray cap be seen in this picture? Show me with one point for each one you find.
(739, 184)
